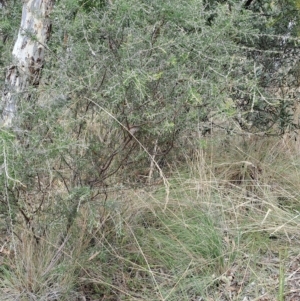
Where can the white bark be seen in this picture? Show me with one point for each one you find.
(28, 54)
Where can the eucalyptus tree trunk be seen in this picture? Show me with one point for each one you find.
(28, 56)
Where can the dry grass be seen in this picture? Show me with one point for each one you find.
(229, 232)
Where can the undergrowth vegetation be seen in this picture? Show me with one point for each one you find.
(228, 228)
(157, 158)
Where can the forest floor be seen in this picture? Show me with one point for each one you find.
(222, 226)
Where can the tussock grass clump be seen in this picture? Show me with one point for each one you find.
(230, 214)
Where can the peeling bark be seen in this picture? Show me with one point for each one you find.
(28, 56)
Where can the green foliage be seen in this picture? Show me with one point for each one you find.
(89, 5)
(158, 66)
(127, 82)
(165, 69)
(10, 18)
